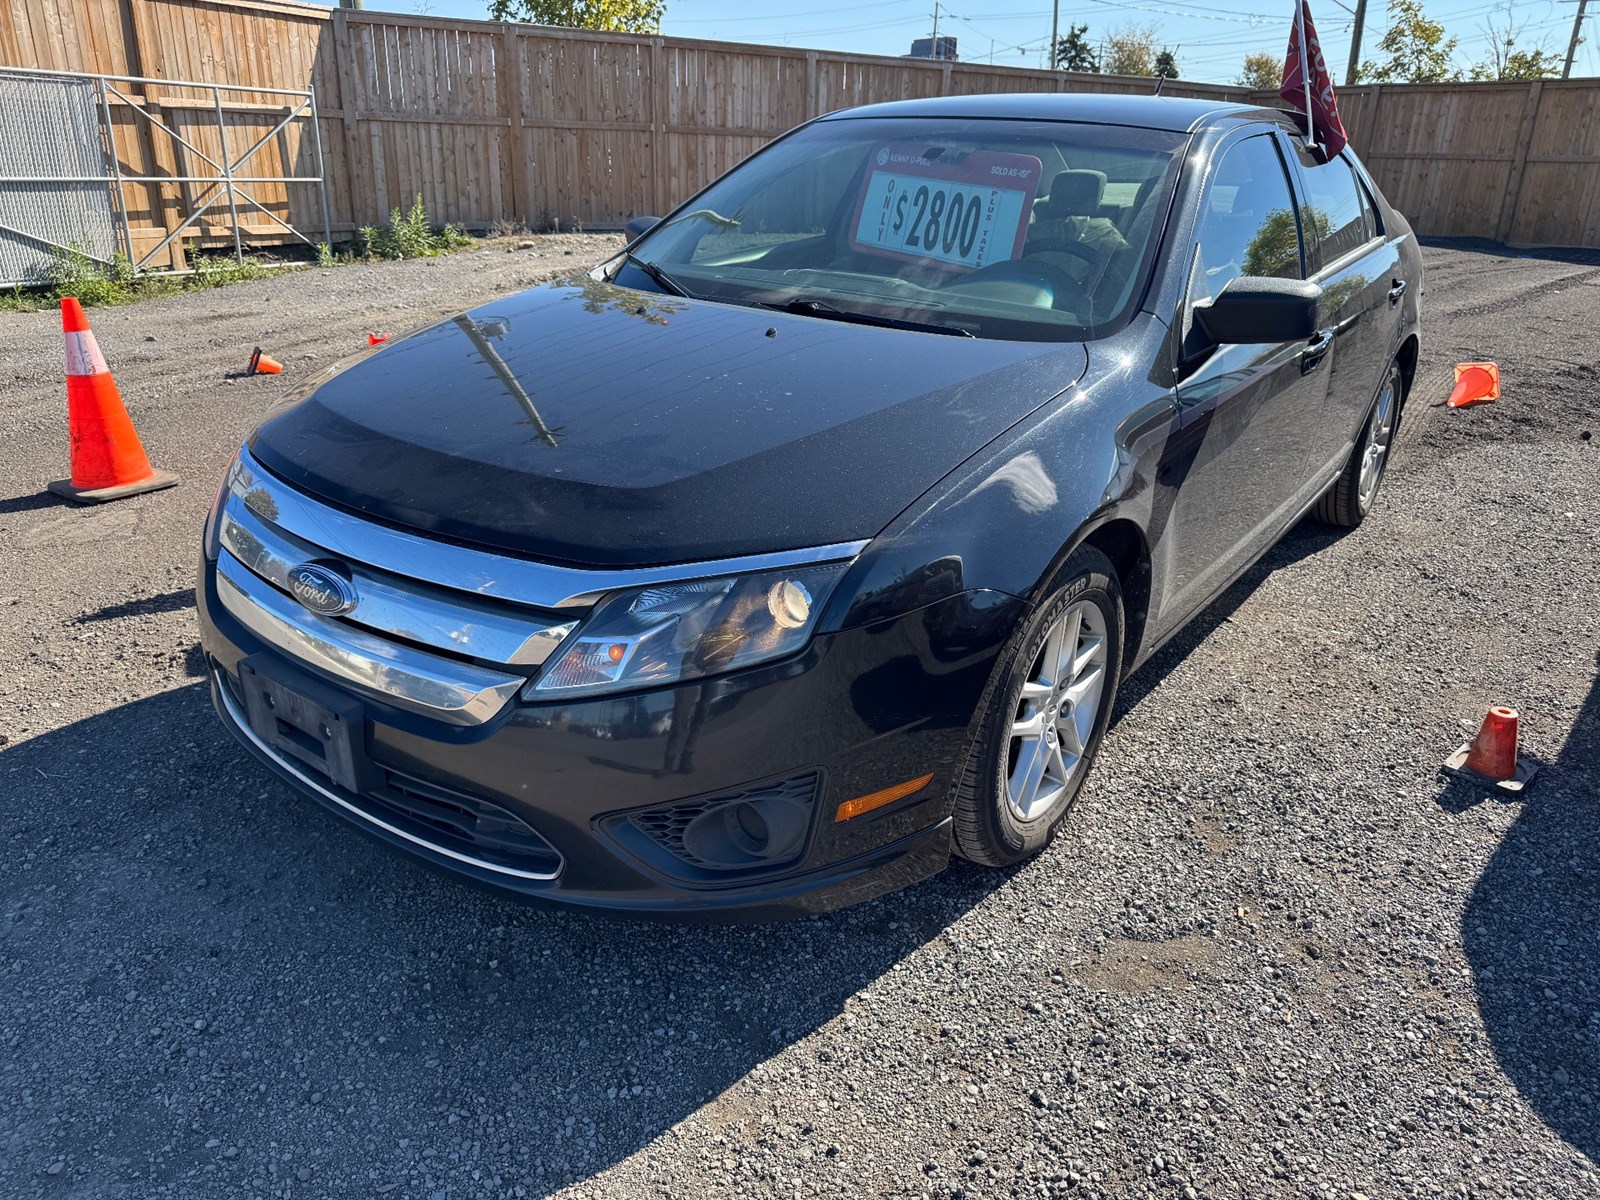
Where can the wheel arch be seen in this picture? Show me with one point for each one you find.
(1122, 540)
(1407, 356)
(1124, 543)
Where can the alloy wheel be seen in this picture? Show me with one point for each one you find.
(1055, 715)
(1376, 451)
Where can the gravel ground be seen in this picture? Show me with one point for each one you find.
(1274, 957)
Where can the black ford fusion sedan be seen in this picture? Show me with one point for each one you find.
(803, 544)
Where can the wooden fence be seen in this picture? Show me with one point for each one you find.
(498, 123)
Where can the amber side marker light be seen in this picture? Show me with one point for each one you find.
(872, 800)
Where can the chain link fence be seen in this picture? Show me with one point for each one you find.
(51, 131)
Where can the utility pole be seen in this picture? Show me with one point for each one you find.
(934, 53)
(1355, 43)
(1055, 31)
(1572, 46)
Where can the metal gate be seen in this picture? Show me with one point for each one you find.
(74, 147)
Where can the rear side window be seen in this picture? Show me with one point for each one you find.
(1337, 216)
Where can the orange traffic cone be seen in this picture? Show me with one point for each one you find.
(1493, 753)
(1491, 758)
(263, 364)
(108, 460)
(1476, 383)
(377, 339)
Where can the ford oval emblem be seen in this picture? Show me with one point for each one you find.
(321, 590)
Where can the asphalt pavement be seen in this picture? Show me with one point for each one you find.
(1273, 955)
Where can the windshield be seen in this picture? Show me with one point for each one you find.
(1037, 230)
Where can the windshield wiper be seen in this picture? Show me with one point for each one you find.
(807, 307)
(658, 276)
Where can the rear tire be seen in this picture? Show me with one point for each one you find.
(1347, 503)
(1047, 713)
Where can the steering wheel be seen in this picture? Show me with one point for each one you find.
(1064, 290)
(1061, 246)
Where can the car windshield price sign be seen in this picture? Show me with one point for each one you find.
(967, 213)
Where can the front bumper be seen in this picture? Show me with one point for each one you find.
(859, 711)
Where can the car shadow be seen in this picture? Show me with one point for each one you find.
(1530, 934)
(300, 991)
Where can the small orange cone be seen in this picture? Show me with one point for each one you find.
(108, 460)
(377, 339)
(1491, 758)
(263, 364)
(1476, 383)
(1493, 753)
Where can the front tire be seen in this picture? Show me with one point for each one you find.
(1047, 714)
(1347, 503)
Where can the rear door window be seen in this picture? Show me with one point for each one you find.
(1336, 216)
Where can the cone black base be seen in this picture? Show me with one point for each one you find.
(1456, 765)
(154, 482)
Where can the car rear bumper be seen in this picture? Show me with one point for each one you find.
(582, 802)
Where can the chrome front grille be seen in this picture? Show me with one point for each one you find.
(418, 644)
(433, 627)
(449, 622)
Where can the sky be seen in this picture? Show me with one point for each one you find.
(1209, 37)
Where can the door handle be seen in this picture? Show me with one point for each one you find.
(1316, 349)
(1398, 290)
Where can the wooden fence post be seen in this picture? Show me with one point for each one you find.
(813, 109)
(660, 189)
(144, 58)
(518, 199)
(1369, 116)
(361, 196)
(1519, 164)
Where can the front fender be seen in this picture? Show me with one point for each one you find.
(1003, 519)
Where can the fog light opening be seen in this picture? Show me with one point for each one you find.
(749, 829)
(748, 832)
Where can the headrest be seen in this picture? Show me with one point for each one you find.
(1074, 194)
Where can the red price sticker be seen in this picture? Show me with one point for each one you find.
(969, 213)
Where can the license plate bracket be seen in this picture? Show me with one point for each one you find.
(303, 720)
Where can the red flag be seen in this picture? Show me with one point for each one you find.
(1326, 126)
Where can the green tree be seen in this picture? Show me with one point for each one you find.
(1415, 49)
(1261, 72)
(1131, 50)
(609, 16)
(1505, 61)
(1166, 64)
(1277, 243)
(1073, 52)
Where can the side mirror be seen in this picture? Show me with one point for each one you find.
(1256, 308)
(639, 226)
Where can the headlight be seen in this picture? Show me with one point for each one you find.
(213, 532)
(678, 631)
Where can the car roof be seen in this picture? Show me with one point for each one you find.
(1177, 114)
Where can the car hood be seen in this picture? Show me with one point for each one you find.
(596, 425)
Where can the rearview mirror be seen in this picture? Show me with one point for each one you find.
(639, 226)
(1256, 308)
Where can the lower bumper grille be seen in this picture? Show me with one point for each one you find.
(492, 832)
(464, 828)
